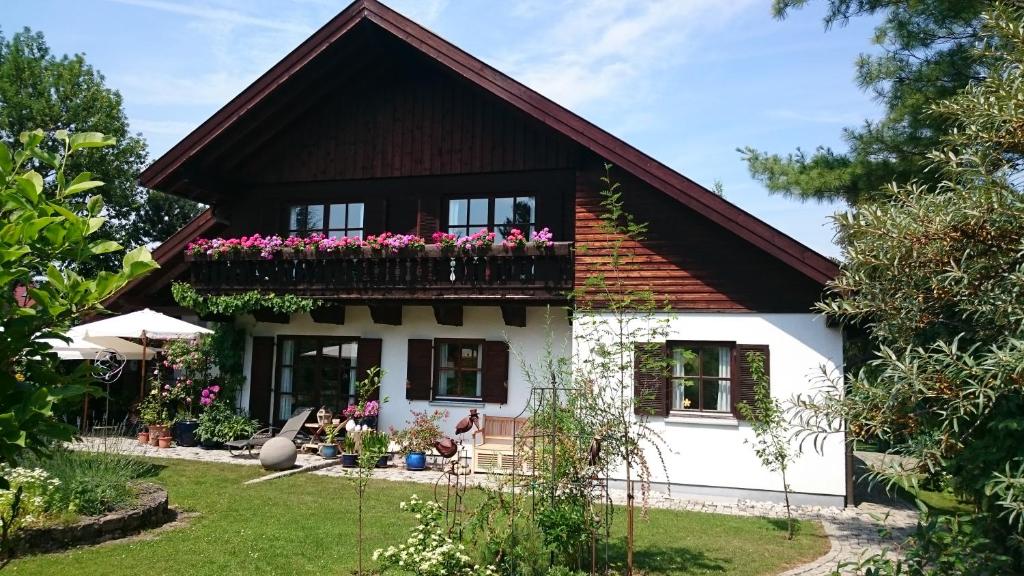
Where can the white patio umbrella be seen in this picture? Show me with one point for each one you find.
(144, 324)
(82, 348)
(90, 349)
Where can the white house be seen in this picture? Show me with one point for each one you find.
(374, 124)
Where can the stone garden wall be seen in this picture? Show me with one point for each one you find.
(150, 512)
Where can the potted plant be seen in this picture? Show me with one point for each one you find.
(419, 437)
(329, 449)
(349, 458)
(220, 423)
(374, 442)
(164, 441)
(153, 413)
(144, 437)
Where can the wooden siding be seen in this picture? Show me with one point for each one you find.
(407, 117)
(688, 261)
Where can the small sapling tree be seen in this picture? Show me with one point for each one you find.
(771, 430)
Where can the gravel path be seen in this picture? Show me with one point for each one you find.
(854, 532)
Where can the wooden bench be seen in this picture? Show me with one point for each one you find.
(495, 451)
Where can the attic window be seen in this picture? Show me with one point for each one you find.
(470, 215)
(334, 220)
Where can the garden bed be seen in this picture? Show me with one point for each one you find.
(151, 511)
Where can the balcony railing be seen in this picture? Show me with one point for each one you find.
(497, 274)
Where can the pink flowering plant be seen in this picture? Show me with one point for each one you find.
(542, 239)
(420, 434)
(194, 388)
(514, 240)
(346, 245)
(361, 410)
(386, 243)
(445, 241)
(477, 242)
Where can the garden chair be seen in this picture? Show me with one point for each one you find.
(290, 430)
(495, 454)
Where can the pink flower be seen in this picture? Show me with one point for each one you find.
(215, 388)
(205, 393)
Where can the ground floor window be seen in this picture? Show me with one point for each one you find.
(315, 371)
(701, 377)
(459, 369)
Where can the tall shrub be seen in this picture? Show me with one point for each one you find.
(937, 274)
(44, 243)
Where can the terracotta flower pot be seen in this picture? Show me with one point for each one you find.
(143, 437)
(164, 441)
(155, 432)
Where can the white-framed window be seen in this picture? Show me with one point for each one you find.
(702, 376)
(331, 219)
(459, 369)
(499, 214)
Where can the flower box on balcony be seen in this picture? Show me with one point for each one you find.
(429, 272)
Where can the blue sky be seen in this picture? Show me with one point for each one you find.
(686, 81)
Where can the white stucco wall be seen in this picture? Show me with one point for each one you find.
(714, 454)
(418, 322)
(701, 455)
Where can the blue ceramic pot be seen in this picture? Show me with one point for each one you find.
(415, 461)
(328, 450)
(349, 460)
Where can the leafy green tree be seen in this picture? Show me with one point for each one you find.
(39, 90)
(42, 244)
(926, 55)
(937, 273)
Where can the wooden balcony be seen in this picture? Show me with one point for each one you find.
(541, 276)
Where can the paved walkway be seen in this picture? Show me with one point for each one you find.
(853, 532)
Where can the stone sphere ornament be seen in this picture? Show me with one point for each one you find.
(278, 454)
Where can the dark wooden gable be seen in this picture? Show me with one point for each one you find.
(401, 116)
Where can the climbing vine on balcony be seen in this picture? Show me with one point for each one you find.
(242, 303)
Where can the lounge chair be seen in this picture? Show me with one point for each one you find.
(290, 429)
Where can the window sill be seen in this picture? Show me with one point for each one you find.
(726, 420)
(471, 402)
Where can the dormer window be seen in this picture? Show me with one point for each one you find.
(470, 215)
(334, 220)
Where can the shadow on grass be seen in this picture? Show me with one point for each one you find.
(781, 525)
(666, 560)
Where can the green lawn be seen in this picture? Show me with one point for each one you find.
(305, 524)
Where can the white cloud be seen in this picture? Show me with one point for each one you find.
(154, 87)
(177, 128)
(218, 15)
(424, 12)
(599, 51)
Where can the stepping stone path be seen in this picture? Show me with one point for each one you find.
(854, 532)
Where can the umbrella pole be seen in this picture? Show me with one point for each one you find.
(142, 380)
(85, 413)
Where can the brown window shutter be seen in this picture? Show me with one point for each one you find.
(743, 381)
(419, 373)
(650, 383)
(261, 375)
(427, 217)
(368, 353)
(495, 372)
